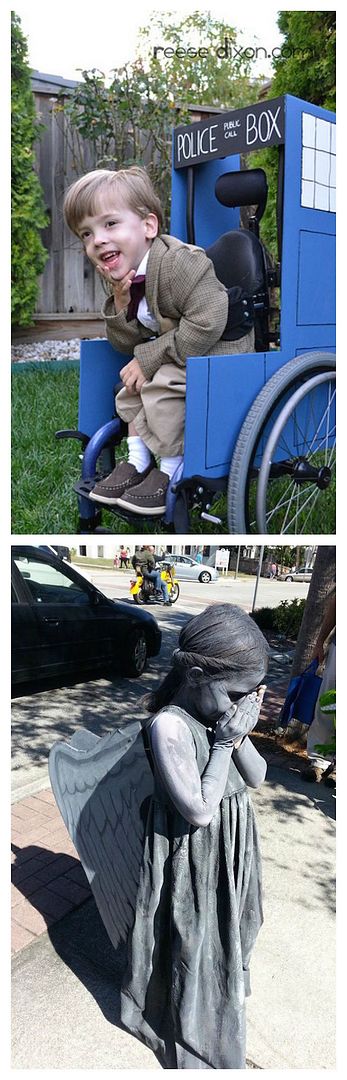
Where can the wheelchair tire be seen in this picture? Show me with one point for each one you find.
(255, 432)
(300, 499)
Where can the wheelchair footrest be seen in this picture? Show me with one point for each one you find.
(83, 489)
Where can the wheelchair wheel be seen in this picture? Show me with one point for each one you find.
(311, 414)
(296, 492)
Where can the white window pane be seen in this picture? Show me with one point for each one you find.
(332, 206)
(307, 193)
(307, 163)
(308, 129)
(333, 139)
(322, 167)
(323, 135)
(321, 197)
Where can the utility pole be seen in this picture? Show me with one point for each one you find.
(237, 563)
(258, 575)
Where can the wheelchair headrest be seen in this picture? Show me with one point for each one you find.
(245, 188)
(238, 259)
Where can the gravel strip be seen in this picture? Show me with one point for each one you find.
(46, 350)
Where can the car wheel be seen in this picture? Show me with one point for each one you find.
(289, 578)
(205, 576)
(135, 658)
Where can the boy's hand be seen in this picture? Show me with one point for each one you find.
(121, 288)
(132, 376)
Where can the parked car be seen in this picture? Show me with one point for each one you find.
(189, 569)
(58, 549)
(61, 622)
(304, 573)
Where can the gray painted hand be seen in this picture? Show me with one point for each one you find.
(239, 719)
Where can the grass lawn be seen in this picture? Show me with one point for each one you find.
(44, 471)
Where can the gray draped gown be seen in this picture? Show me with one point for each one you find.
(198, 913)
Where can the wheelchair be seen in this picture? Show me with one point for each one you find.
(260, 427)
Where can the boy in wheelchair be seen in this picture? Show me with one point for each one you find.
(165, 303)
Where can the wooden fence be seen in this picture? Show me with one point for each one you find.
(69, 285)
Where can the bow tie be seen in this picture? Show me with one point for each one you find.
(137, 292)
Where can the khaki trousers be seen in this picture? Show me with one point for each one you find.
(159, 410)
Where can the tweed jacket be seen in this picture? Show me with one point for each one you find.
(189, 303)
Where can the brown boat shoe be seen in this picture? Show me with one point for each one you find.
(148, 497)
(122, 477)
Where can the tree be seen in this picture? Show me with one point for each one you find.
(199, 59)
(306, 69)
(28, 213)
(284, 555)
(307, 65)
(129, 120)
(322, 582)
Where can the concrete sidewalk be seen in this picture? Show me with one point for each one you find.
(66, 976)
(47, 878)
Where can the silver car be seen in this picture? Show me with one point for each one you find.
(188, 569)
(302, 574)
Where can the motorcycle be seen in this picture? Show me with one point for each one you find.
(143, 589)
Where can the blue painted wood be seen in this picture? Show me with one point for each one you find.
(211, 219)
(220, 392)
(100, 365)
(308, 254)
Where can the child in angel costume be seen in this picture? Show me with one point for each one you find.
(165, 829)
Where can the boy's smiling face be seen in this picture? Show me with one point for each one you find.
(116, 238)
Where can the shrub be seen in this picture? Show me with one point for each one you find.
(285, 619)
(264, 618)
(28, 213)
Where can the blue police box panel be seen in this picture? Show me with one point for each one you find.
(221, 390)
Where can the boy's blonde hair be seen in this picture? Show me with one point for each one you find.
(132, 186)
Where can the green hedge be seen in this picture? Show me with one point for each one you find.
(285, 619)
(28, 213)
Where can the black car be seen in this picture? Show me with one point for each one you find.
(60, 622)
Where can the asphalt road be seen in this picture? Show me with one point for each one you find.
(195, 595)
(52, 710)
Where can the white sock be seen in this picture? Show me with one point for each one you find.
(169, 465)
(139, 454)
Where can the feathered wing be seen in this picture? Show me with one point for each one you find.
(101, 786)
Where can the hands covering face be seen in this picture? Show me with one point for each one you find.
(241, 718)
(232, 720)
